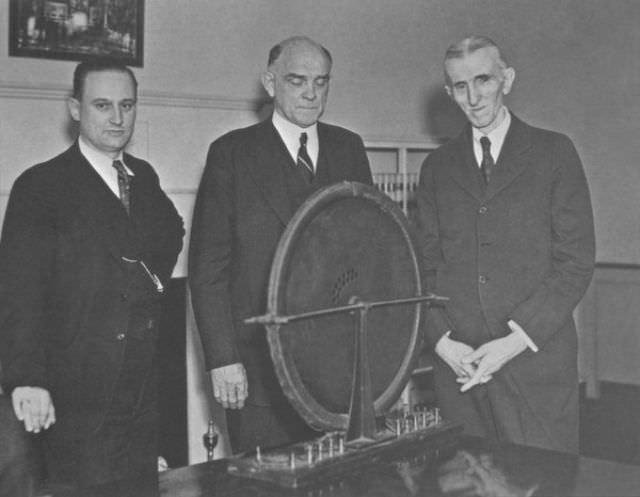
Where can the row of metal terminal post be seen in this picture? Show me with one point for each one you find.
(396, 424)
(393, 185)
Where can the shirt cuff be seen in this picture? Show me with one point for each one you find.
(516, 328)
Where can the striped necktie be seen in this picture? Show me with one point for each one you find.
(487, 160)
(304, 161)
(124, 184)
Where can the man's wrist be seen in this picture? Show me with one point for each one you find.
(442, 342)
(517, 329)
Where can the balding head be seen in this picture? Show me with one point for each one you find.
(296, 42)
(297, 78)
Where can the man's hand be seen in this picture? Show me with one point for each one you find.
(452, 352)
(490, 357)
(34, 407)
(230, 385)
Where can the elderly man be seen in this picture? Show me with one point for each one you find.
(507, 231)
(254, 180)
(88, 241)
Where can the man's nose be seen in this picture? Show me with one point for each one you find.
(116, 115)
(310, 92)
(473, 95)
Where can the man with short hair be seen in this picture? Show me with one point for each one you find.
(506, 226)
(254, 180)
(89, 240)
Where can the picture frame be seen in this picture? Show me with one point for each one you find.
(77, 29)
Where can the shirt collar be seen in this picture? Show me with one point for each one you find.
(290, 134)
(98, 160)
(497, 137)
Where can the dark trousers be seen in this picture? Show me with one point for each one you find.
(124, 446)
(18, 463)
(498, 411)
(266, 426)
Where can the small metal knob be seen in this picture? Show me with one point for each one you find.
(210, 439)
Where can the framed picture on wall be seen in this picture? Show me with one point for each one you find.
(77, 29)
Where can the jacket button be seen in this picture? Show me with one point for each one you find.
(120, 336)
(482, 279)
(482, 210)
(124, 297)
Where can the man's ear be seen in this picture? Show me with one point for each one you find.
(73, 105)
(448, 90)
(509, 77)
(268, 82)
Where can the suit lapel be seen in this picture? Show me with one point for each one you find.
(92, 199)
(269, 155)
(326, 162)
(513, 160)
(463, 167)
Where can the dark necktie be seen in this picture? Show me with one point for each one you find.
(304, 161)
(123, 184)
(487, 159)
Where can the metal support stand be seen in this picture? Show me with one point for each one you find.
(362, 420)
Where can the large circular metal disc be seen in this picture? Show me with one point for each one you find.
(347, 240)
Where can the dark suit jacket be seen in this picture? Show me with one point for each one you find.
(521, 248)
(242, 208)
(67, 293)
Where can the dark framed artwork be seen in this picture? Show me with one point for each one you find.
(77, 29)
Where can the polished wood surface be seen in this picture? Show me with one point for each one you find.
(467, 466)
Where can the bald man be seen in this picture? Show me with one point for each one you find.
(254, 180)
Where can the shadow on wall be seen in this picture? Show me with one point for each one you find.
(71, 130)
(264, 105)
(442, 117)
(264, 110)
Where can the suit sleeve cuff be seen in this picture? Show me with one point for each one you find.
(516, 328)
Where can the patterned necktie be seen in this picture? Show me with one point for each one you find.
(487, 159)
(123, 184)
(304, 161)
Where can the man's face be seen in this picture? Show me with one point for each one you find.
(106, 110)
(478, 85)
(299, 84)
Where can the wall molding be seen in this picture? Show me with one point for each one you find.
(53, 92)
(22, 91)
(43, 91)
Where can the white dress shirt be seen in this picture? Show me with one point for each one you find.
(496, 137)
(103, 165)
(290, 134)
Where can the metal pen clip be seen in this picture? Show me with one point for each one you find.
(153, 277)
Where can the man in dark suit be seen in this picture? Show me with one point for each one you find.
(507, 232)
(89, 239)
(254, 180)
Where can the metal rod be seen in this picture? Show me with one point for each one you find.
(275, 319)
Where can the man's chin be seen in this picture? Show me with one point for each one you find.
(481, 124)
(304, 121)
(117, 145)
